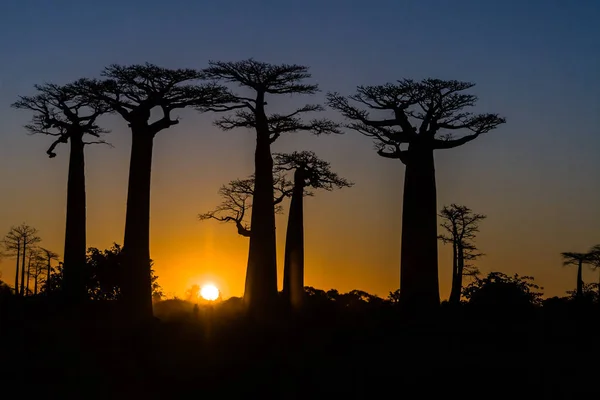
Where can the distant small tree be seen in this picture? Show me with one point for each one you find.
(48, 256)
(193, 293)
(310, 172)
(577, 259)
(460, 225)
(17, 242)
(261, 80)
(594, 254)
(237, 201)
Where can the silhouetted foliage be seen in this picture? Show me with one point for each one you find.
(133, 92)
(309, 172)
(498, 293)
(103, 275)
(237, 201)
(461, 225)
(420, 114)
(264, 79)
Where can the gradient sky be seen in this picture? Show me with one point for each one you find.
(535, 62)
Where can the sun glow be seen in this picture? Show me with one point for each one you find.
(209, 292)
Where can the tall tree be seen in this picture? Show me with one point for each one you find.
(237, 201)
(461, 226)
(62, 112)
(578, 259)
(17, 242)
(423, 118)
(309, 172)
(262, 80)
(134, 92)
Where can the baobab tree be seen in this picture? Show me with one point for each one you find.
(461, 226)
(595, 263)
(134, 92)
(424, 117)
(17, 242)
(578, 259)
(310, 172)
(62, 112)
(262, 80)
(237, 201)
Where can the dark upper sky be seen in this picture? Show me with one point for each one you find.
(535, 62)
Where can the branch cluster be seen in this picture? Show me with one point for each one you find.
(314, 172)
(64, 112)
(425, 112)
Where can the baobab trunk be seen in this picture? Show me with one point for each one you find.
(75, 233)
(293, 267)
(579, 292)
(419, 286)
(261, 276)
(456, 286)
(23, 265)
(28, 275)
(136, 285)
(17, 268)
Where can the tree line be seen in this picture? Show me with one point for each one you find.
(408, 120)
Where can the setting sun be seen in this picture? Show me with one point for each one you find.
(209, 292)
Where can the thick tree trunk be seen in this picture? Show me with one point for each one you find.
(261, 276)
(17, 268)
(579, 292)
(136, 283)
(75, 233)
(23, 266)
(419, 286)
(293, 268)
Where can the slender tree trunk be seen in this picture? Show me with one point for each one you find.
(48, 273)
(23, 266)
(75, 233)
(260, 292)
(453, 294)
(419, 285)
(293, 268)
(17, 268)
(136, 283)
(460, 270)
(35, 284)
(28, 275)
(579, 292)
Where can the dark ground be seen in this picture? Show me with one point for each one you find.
(368, 354)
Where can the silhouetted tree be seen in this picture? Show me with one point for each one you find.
(434, 106)
(134, 92)
(237, 200)
(264, 79)
(16, 242)
(461, 225)
(577, 259)
(62, 112)
(499, 292)
(309, 172)
(103, 275)
(193, 293)
(37, 269)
